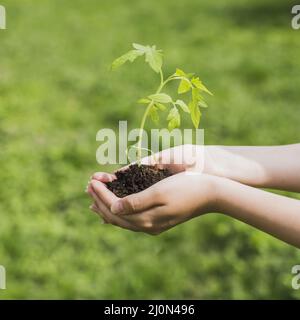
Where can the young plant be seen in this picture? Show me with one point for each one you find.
(159, 100)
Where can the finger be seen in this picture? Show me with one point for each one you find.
(103, 193)
(166, 159)
(89, 188)
(111, 218)
(137, 202)
(94, 204)
(95, 209)
(103, 177)
(172, 159)
(100, 207)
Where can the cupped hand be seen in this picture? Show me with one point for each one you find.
(167, 203)
(186, 157)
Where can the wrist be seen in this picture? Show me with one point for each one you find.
(214, 191)
(235, 163)
(219, 200)
(215, 162)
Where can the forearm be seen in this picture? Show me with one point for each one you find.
(274, 214)
(269, 167)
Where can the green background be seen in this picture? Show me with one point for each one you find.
(56, 92)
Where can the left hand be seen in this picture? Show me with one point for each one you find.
(169, 202)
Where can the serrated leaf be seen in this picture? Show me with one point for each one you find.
(196, 82)
(195, 114)
(180, 73)
(173, 113)
(196, 96)
(129, 56)
(160, 97)
(206, 90)
(140, 47)
(144, 101)
(154, 58)
(154, 114)
(173, 118)
(160, 106)
(184, 86)
(182, 105)
(202, 104)
(199, 84)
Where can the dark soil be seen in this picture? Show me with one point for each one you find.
(135, 179)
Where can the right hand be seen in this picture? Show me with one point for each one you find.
(181, 158)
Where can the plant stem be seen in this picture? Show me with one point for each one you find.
(145, 115)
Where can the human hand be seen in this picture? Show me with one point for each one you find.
(169, 202)
(181, 158)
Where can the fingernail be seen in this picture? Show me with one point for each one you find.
(117, 207)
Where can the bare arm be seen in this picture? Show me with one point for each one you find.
(275, 167)
(184, 196)
(274, 214)
(230, 173)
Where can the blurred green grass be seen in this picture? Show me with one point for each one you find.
(56, 92)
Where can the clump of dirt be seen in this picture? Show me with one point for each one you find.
(135, 179)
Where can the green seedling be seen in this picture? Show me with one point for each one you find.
(161, 101)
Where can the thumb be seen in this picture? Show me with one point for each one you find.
(136, 202)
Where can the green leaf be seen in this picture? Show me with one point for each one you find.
(180, 73)
(140, 47)
(154, 114)
(160, 106)
(195, 114)
(198, 84)
(173, 113)
(190, 75)
(160, 97)
(202, 104)
(129, 56)
(173, 118)
(182, 105)
(154, 58)
(144, 101)
(196, 96)
(184, 86)
(172, 125)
